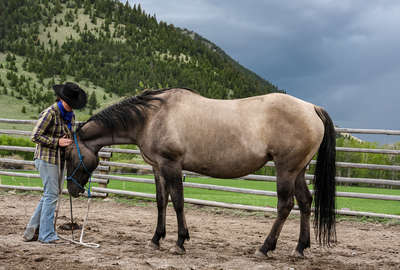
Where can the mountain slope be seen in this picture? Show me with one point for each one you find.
(114, 46)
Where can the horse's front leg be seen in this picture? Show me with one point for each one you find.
(162, 201)
(172, 173)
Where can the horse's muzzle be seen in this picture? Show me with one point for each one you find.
(74, 190)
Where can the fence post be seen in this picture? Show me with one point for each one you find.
(105, 156)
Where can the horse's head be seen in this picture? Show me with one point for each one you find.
(81, 162)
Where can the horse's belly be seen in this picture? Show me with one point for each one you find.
(226, 167)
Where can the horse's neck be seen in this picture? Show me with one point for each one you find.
(97, 137)
(96, 144)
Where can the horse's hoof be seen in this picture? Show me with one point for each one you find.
(153, 245)
(177, 250)
(296, 254)
(260, 255)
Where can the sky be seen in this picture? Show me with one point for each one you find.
(342, 55)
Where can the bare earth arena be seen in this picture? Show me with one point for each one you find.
(220, 239)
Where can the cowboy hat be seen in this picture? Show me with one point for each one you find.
(72, 94)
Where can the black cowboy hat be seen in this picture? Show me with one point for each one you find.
(72, 94)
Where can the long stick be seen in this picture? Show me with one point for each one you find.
(72, 217)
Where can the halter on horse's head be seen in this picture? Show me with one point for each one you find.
(78, 173)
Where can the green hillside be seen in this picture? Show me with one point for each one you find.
(109, 48)
(27, 100)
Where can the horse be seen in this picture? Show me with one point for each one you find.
(178, 129)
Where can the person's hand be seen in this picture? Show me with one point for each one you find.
(64, 141)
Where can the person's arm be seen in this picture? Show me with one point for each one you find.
(39, 135)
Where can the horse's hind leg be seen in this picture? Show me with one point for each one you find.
(304, 200)
(285, 191)
(162, 201)
(173, 177)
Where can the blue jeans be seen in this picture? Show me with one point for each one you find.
(43, 217)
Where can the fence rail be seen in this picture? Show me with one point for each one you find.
(368, 131)
(102, 174)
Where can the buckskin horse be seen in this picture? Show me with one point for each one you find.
(177, 129)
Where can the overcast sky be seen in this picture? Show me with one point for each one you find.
(342, 55)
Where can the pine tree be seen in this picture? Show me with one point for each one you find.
(9, 58)
(14, 80)
(92, 102)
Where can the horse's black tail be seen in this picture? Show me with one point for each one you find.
(325, 183)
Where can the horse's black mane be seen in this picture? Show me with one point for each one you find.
(120, 114)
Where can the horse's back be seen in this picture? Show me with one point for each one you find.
(259, 118)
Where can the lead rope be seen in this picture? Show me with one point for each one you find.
(61, 182)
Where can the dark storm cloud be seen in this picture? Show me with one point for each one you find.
(342, 55)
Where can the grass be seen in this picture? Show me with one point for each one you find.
(366, 205)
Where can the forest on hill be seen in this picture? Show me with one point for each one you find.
(114, 46)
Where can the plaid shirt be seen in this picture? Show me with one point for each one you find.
(49, 128)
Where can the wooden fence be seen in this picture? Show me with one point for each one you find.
(102, 175)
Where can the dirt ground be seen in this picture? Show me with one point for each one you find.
(220, 239)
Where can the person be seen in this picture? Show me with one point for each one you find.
(52, 133)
